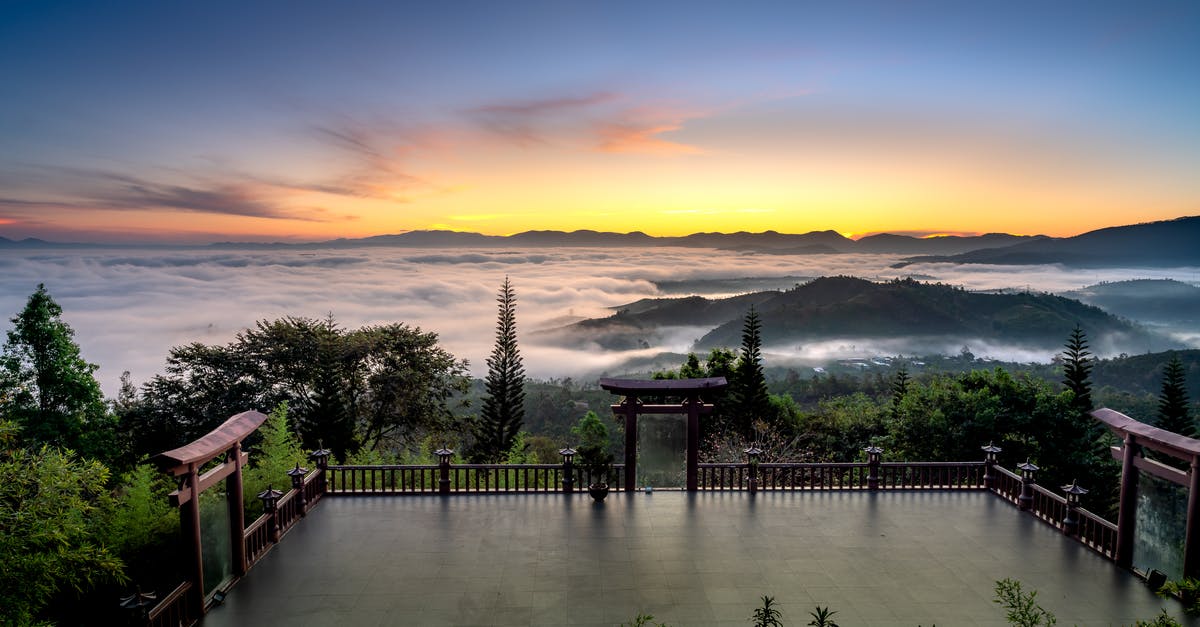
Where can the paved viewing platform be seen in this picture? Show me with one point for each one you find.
(877, 558)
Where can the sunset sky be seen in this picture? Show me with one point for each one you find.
(208, 121)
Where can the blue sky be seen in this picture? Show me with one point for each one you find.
(304, 120)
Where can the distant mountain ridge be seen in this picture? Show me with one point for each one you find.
(1167, 243)
(1152, 244)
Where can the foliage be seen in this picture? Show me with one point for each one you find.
(1188, 589)
(394, 383)
(140, 517)
(49, 536)
(900, 383)
(1077, 369)
(278, 452)
(1021, 608)
(594, 448)
(1173, 412)
(767, 615)
(748, 396)
(503, 410)
(518, 452)
(48, 388)
(822, 617)
(1162, 620)
(643, 620)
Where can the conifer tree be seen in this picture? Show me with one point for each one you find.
(751, 401)
(899, 388)
(48, 388)
(1173, 412)
(1077, 369)
(503, 410)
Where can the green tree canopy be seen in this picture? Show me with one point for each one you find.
(48, 388)
(385, 385)
(1077, 369)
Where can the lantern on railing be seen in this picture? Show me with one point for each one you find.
(270, 498)
(139, 603)
(989, 460)
(444, 454)
(297, 475)
(568, 457)
(874, 456)
(320, 456)
(1071, 521)
(752, 455)
(1028, 474)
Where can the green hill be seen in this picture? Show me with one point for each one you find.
(848, 307)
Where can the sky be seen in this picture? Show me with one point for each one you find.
(228, 121)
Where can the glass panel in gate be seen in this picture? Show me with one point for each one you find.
(1161, 526)
(662, 451)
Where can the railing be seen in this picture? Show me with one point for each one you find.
(931, 475)
(257, 538)
(175, 610)
(843, 476)
(1048, 506)
(1097, 533)
(1006, 484)
(462, 478)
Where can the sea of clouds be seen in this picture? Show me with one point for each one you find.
(128, 307)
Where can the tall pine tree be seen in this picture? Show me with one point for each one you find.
(1173, 412)
(503, 410)
(1077, 369)
(899, 389)
(750, 400)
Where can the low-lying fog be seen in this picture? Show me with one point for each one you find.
(129, 307)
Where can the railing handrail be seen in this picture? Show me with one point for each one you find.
(1062, 500)
(1097, 518)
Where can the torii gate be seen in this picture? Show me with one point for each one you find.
(629, 408)
(1134, 437)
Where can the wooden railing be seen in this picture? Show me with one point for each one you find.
(1097, 533)
(1006, 484)
(462, 478)
(844, 476)
(1048, 506)
(175, 610)
(931, 475)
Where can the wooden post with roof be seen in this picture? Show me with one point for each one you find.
(692, 406)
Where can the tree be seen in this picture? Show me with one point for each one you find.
(278, 452)
(748, 393)
(1077, 370)
(1173, 401)
(899, 388)
(380, 386)
(503, 410)
(48, 526)
(48, 388)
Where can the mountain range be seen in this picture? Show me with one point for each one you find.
(851, 308)
(1168, 243)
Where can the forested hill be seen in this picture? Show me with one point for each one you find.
(848, 307)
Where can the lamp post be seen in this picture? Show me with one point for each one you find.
(989, 461)
(270, 497)
(321, 457)
(444, 454)
(874, 455)
(1071, 521)
(138, 604)
(297, 475)
(568, 482)
(752, 455)
(1028, 474)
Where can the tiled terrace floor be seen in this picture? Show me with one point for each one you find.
(894, 558)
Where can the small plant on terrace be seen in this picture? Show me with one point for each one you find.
(644, 620)
(822, 617)
(767, 615)
(1021, 607)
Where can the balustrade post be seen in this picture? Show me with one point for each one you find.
(874, 455)
(444, 455)
(321, 457)
(1028, 474)
(1071, 521)
(297, 476)
(568, 482)
(989, 464)
(752, 454)
(270, 498)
